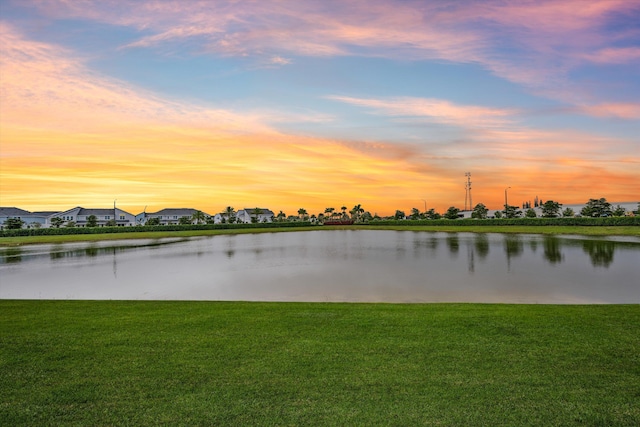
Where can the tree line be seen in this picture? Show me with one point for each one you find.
(594, 208)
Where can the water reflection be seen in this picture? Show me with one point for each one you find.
(453, 243)
(341, 265)
(552, 251)
(10, 255)
(481, 244)
(600, 252)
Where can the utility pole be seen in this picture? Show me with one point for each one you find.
(505, 199)
(467, 194)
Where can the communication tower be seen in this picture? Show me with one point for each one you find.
(467, 195)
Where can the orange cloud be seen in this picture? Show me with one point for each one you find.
(437, 110)
(73, 137)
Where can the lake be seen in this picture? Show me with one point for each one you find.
(332, 265)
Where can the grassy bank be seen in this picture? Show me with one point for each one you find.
(528, 229)
(218, 363)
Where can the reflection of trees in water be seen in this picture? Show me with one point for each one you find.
(513, 245)
(533, 244)
(481, 244)
(552, 250)
(11, 255)
(453, 242)
(600, 252)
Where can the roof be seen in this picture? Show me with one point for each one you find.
(176, 212)
(96, 212)
(262, 211)
(14, 212)
(45, 213)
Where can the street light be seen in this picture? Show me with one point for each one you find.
(505, 199)
(425, 204)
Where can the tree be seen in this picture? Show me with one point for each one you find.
(399, 215)
(366, 217)
(329, 212)
(596, 208)
(198, 216)
(452, 213)
(356, 212)
(111, 223)
(230, 214)
(153, 221)
(13, 223)
(512, 211)
(185, 220)
(619, 211)
(415, 213)
(530, 213)
(479, 211)
(70, 224)
(281, 217)
(432, 214)
(92, 221)
(568, 212)
(255, 214)
(498, 214)
(302, 214)
(551, 209)
(344, 212)
(57, 222)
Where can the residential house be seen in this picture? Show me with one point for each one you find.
(80, 216)
(247, 215)
(31, 219)
(168, 216)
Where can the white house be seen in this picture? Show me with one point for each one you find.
(31, 219)
(168, 216)
(80, 216)
(246, 215)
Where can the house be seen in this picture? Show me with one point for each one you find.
(31, 219)
(222, 217)
(249, 215)
(168, 216)
(80, 217)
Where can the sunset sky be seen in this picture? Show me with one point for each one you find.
(315, 104)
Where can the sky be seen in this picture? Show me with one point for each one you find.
(315, 104)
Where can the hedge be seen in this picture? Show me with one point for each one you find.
(565, 221)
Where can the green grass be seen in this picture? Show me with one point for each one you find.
(528, 229)
(220, 363)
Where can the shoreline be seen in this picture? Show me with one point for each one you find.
(595, 231)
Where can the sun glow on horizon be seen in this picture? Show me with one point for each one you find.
(74, 132)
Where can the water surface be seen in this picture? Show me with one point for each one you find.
(332, 265)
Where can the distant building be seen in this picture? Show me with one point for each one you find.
(31, 219)
(80, 216)
(247, 215)
(168, 216)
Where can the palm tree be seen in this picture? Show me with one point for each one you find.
(355, 212)
(255, 213)
(281, 216)
(230, 213)
(199, 216)
(302, 213)
(329, 211)
(344, 212)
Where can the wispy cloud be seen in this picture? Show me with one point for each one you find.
(436, 110)
(533, 43)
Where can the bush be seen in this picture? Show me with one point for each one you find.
(566, 221)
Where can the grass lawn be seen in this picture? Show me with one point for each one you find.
(225, 363)
(548, 229)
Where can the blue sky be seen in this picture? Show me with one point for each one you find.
(375, 102)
